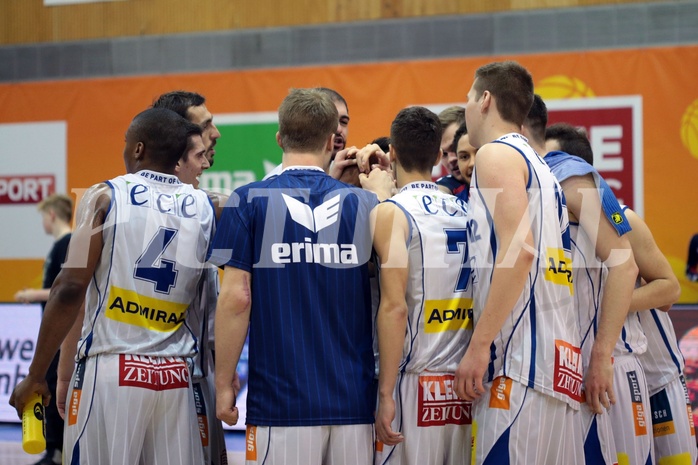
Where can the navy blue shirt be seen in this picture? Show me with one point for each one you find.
(305, 238)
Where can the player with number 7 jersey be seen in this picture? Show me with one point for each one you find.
(425, 312)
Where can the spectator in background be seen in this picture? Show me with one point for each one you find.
(57, 215)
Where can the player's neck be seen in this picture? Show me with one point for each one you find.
(404, 178)
(305, 159)
(497, 128)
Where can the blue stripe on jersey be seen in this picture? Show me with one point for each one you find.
(528, 165)
(310, 346)
(623, 337)
(75, 459)
(665, 339)
(532, 366)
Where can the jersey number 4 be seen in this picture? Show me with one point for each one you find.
(151, 267)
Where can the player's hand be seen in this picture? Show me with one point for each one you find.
(25, 389)
(62, 387)
(345, 158)
(470, 372)
(598, 384)
(226, 411)
(370, 157)
(379, 182)
(384, 419)
(23, 296)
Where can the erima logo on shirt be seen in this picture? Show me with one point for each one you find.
(317, 219)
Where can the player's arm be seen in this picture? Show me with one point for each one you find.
(389, 241)
(67, 293)
(502, 177)
(232, 320)
(32, 295)
(661, 288)
(66, 361)
(584, 203)
(218, 200)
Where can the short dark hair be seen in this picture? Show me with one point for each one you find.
(460, 132)
(415, 134)
(383, 142)
(179, 101)
(572, 140)
(307, 119)
(511, 85)
(537, 120)
(164, 133)
(334, 96)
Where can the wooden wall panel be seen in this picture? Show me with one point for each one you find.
(29, 21)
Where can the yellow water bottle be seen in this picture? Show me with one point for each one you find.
(33, 430)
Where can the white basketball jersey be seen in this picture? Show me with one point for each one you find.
(662, 361)
(439, 294)
(539, 343)
(156, 235)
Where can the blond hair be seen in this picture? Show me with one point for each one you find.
(60, 204)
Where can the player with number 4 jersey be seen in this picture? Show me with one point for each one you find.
(138, 251)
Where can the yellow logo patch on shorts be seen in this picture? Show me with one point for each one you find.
(129, 307)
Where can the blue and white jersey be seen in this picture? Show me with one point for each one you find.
(662, 361)
(439, 292)
(539, 344)
(589, 273)
(200, 317)
(156, 235)
(305, 238)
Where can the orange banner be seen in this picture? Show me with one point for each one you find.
(659, 83)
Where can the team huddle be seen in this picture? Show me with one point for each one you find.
(511, 312)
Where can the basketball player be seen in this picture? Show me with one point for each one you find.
(137, 251)
(339, 143)
(671, 413)
(295, 249)
(602, 293)
(426, 301)
(451, 118)
(201, 314)
(466, 158)
(524, 355)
